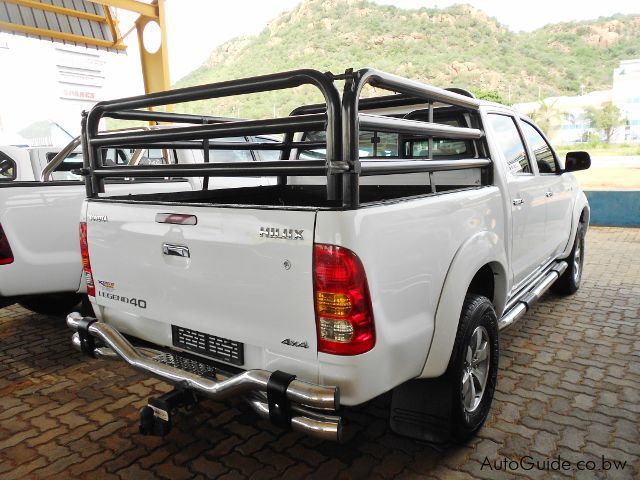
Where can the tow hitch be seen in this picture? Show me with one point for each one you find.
(157, 417)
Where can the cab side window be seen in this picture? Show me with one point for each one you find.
(541, 150)
(510, 142)
(7, 168)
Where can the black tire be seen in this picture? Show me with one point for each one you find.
(569, 281)
(7, 301)
(469, 412)
(52, 304)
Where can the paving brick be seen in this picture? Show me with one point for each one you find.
(209, 468)
(24, 470)
(58, 466)
(173, 472)
(569, 384)
(44, 422)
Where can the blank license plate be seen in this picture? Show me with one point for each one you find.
(215, 347)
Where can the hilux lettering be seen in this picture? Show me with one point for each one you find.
(285, 233)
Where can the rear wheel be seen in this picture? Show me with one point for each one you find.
(473, 368)
(569, 281)
(52, 304)
(456, 404)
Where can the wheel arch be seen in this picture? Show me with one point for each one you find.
(481, 255)
(581, 214)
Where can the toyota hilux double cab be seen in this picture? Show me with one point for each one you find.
(41, 194)
(403, 233)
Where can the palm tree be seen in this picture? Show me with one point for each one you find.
(546, 115)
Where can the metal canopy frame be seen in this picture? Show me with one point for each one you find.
(339, 118)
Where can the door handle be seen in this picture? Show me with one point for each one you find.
(548, 194)
(176, 250)
(517, 201)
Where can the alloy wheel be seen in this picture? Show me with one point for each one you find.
(476, 369)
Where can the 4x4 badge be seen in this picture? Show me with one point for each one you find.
(295, 343)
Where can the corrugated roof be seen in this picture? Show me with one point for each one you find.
(75, 22)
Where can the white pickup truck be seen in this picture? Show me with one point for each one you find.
(41, 194)
(404, 232)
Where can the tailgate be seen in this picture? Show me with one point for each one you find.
(220, 284)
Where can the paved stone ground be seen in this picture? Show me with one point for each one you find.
(569, 385)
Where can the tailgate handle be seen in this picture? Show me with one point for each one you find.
(177, 218)
(175, 250)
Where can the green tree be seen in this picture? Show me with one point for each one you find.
(607, 118)
(490, 95)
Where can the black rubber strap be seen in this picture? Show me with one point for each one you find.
(87, 343)
(279, 405)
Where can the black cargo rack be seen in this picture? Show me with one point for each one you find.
(340, 118)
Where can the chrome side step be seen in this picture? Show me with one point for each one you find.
(531, 295)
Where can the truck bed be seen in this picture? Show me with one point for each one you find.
(284, 196)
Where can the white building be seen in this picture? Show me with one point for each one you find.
(50, 82)
(567, 123)
(566, 118)
(626, 95)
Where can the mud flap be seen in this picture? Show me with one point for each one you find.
(421, 409)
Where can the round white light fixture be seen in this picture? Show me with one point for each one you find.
(151, 37)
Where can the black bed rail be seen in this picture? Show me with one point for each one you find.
(414, 127)
(340, 118)
(299, 123)
(390, 167)
(153, 116)
(197, 145)
(237, 169)
(93, 142)
(353, 120)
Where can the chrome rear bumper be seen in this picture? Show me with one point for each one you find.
(303, 397)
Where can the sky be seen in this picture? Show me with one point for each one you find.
(196, 27)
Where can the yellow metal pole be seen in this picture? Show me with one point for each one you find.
(155, 65)
(146, 9)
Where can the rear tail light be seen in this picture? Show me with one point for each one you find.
(6, 256)
(344, 317)
(86, 263)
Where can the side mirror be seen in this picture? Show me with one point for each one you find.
(575, 161)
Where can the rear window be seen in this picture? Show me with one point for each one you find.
(113, 157)
(230, 156)
(73, 161)
(386, 145)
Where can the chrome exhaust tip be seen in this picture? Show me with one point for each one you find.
(314, 424)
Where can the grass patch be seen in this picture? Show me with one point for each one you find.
(601, 149)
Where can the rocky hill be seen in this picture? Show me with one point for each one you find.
(455, 46)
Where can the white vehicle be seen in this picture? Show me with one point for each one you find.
(41, 194)
(23, 164)
(356, 275)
